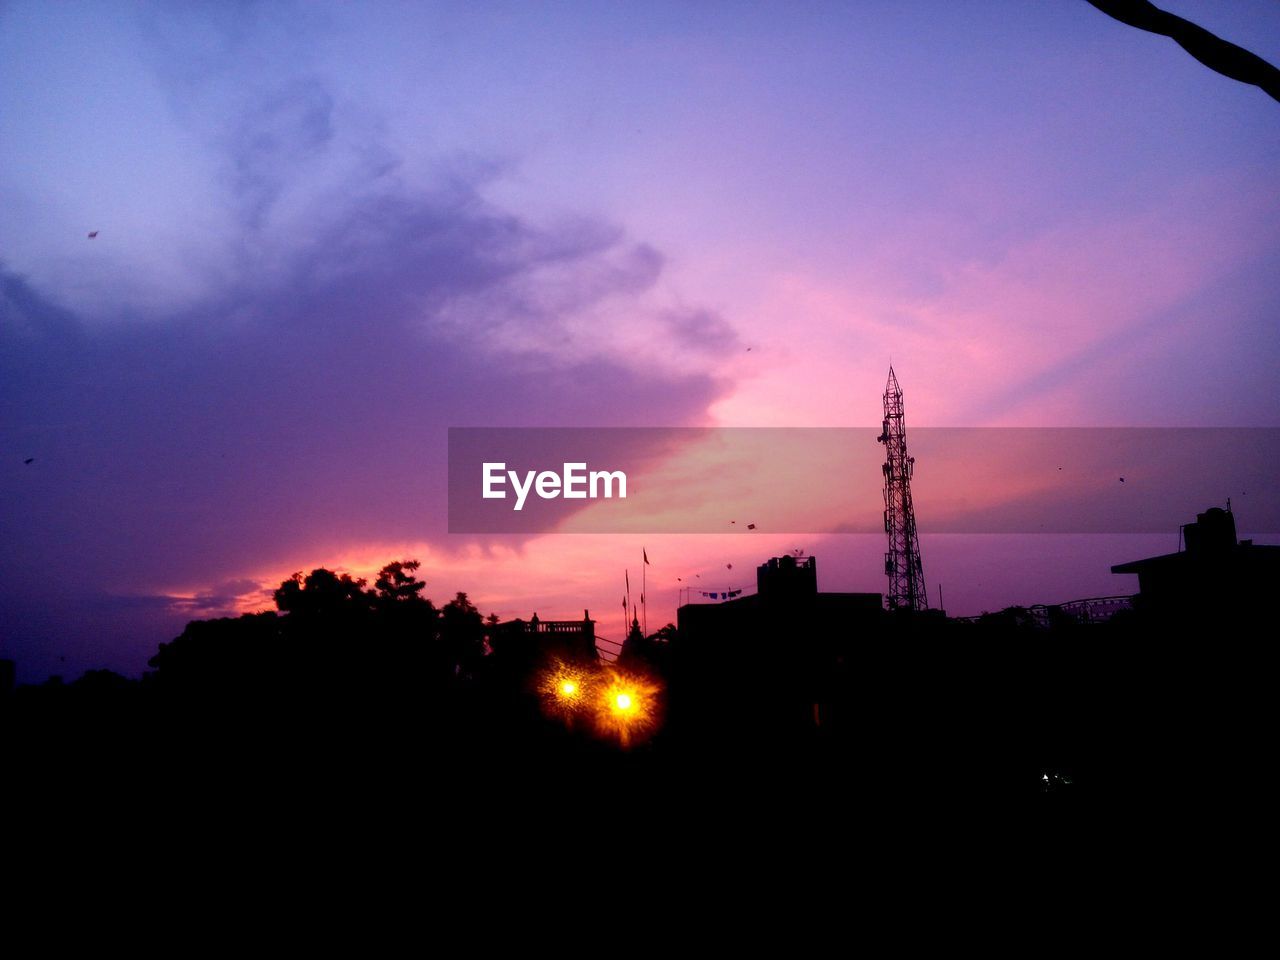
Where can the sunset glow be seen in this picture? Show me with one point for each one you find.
(239, 316)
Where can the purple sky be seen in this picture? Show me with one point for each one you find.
(327, 232)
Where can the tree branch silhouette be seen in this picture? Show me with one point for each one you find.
(1214, 52)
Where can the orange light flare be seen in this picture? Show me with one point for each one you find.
(565, 689)
(627, 706)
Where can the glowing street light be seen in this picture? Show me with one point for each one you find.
(564, 689)
(628, 707)
(618, 704)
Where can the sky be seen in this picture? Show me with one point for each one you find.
(329, 232)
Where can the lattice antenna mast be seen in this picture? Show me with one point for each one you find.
(902, 561)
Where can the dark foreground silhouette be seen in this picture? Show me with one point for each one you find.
(371, 705)
(1214, 52)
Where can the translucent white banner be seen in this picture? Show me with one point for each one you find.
(830, 480)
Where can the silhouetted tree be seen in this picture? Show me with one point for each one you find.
(396, 584)
(406, 627)
(323, 593)
(212, 653)
(462, 633)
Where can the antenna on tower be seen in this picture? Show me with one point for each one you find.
(902, 561)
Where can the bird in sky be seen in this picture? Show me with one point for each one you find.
(1122, 479)
(751, 526)
(29, 460)
(92, 234)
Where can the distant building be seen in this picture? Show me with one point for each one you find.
(786, 602)
(774, 654)
(1213, 577)
(537, 640)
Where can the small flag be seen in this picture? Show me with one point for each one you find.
(646, 554)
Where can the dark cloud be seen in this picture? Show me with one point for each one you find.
(280, 132)
(702, 330)
(224, 599)
(303, 409)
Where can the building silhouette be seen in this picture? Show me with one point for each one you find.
(535, 641)
(772, 656)
(786, 601)
(1213, 578)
